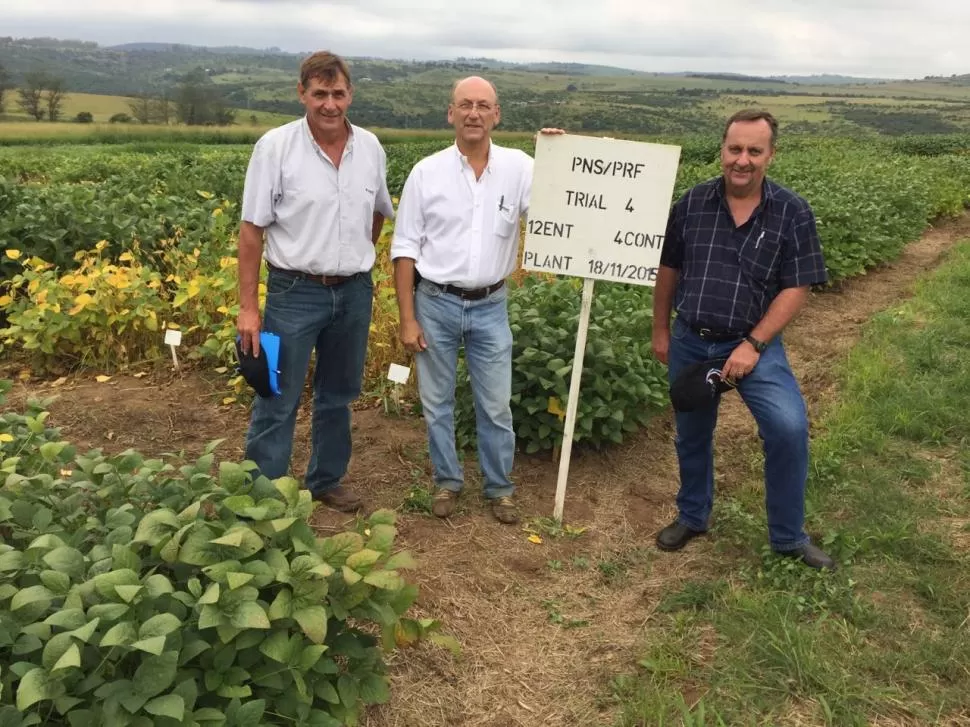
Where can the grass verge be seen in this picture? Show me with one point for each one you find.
(886, 639)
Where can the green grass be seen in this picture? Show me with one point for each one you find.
(886, 638)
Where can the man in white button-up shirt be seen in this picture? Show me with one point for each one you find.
(458, 227)
(316, 190)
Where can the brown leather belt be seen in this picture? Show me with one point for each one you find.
(322, 279)
(468, 293)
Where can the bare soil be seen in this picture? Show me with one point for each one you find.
(544, 627)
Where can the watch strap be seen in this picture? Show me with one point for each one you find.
(759, 346)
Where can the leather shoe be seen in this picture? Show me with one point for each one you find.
(812, 556)
(675, 536)
(339, 498)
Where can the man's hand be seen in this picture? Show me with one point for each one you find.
(412, 336)
(248, 324)
(661, 343)
(741, 362)
(548, 131)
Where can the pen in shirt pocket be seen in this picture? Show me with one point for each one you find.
(758, 241)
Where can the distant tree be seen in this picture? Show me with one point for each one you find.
(84, 117)
(199, 102)
(162, 110)
(5, 85)
(120, 118)
(141, 109)
(31, 94)
(54, 98)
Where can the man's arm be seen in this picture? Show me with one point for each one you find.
(248, 322)
(663, 305)
(411, 334)
(376, 227)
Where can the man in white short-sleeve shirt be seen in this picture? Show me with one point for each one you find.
(316, 191)
(458, 228)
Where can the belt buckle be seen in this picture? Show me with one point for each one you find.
(705, 332)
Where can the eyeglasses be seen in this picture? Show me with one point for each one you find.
(482, 107)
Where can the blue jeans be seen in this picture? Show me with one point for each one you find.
(335, 321)
(483, 327)
(773, 397)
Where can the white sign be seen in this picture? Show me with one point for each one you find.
(173, 337)
(599, 207)
(398, 374)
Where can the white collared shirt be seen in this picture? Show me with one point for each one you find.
(461, 230)
(318, 217)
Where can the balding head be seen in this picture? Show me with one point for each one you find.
(474, 85)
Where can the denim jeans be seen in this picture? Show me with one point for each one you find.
(772, 395)
(483, 327)
(334, 320)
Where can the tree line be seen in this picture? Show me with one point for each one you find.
(195, 101)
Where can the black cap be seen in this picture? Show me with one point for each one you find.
(259, 372)
(699, 385)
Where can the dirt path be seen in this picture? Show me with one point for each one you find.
(544, 627)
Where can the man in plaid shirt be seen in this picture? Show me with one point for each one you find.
(739, 257)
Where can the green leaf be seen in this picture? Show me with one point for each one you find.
(401, 561)
(231, 476)
(211, 595)
(155, 526)
(363, 559)
(35, 686)
(382, 537)
(156, 674)
(313, 621)
(11, 560)
(250, 615)
(250, 714)
(282, 605)
(351, 577)
(337, 549)
(210, 617)
(154, 645)
(158, 585)
(289, 488)
(105, 583)
(67, 560)
(233, 538)
(85, 632)
(311, 655)
(326, 691)
(160, 625)
(121, 634)
(32, 594)
(128, 593)
(374, 689)
(382, 517)
(55, 648)
(68, 618)
(237, 580)
(278, 647)
(347, 689)
(385, 579)
(447, 642)
(171, 705)
(70, 658)
(58, 583)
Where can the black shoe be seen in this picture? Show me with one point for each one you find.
(675, 536)
(812, 556)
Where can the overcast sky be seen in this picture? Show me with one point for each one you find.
(878, 38)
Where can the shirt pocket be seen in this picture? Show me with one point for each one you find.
(761, 252)
(506, 219)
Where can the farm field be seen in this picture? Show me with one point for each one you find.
(102, 247)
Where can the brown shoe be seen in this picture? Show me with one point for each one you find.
(503, 508)
(339, 498)
(443, 504)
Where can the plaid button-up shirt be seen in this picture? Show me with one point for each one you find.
(729, 275)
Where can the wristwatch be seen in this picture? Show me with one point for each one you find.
(759, 346)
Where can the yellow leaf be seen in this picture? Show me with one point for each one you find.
(101, 245)
(140, 374)
(14, 254)
(535, 539)
(67, 473)
(102, 378)
(555, 407)
(5, 300)
(6, 437)
(126, 257)
(229, 400)
(196, 252)
(221, 370)
(204, 195)
(221, 309)
(217, 212)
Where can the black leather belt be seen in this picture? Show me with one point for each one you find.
(322, 279)
(468, 293)
(716, 335)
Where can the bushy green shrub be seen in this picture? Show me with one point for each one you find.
(138, 592)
